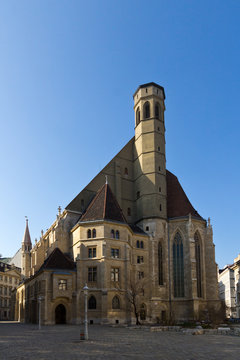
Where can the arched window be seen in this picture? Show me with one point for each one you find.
(92, 303)
(117, 234)
(157, 110)
(115, 302)
(178, 266)
(146, 110)
(143, 312)
(198, 264)
(160, 264)
(94, 233)
(89, 234)
(141, 245)
(137, 116)
(112, 234)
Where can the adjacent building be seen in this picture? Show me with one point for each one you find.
(229, 288)
(131, 235)
(9, 279)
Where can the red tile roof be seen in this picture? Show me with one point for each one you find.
(104, 206)
(58, 260)
(178, 204)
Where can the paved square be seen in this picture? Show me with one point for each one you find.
(21, 341)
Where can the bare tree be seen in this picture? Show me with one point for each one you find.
(134, 296)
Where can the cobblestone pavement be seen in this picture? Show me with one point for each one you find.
(61, 342)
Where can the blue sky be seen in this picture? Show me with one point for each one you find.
(68, 70)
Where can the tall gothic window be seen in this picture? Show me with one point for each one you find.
(198, 264)
(178, 266)
(157, 112)
(160, 264)
(137, 116)
(146, 110)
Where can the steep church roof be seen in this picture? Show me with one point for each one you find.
(26, 237)
(177, 201)
(57, 260)
(104, 206)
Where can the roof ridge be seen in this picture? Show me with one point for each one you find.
(105, 201)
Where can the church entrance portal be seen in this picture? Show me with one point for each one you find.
(60, 314)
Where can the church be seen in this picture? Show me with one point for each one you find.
(131, 235)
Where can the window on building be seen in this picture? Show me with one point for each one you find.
(129, 211)
(138, 194)
(62, 284)
(10, 279)
(140, 275)
(138, 244)
(159, 168)
(112, 234)
(178, 266)
(117, 234)
(92, 274)
(146, 110)
(115, 302)
(198, 264)
(94, 233)
(140, 259)
(141, 245)
(5, 278)
(5, 290)
(147, 228)
(89, 234)
(92, 303)
(159, 189)
(160, 264)
(126, 171)
(5, 302)
(92, 251)
(157, 110)
(137, 116)
(16, 281)
(160, 207)
(115, 253)
(143, 312)
(115, 274)
(158, 148)
(0, 290)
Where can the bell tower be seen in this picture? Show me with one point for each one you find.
(149, 156)
(26, 251)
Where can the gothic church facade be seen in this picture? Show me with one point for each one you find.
(134, 233)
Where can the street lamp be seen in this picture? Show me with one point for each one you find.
(40, 298)
(85, 291)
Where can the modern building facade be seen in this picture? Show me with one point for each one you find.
(132, 233)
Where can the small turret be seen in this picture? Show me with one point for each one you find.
(26, 251)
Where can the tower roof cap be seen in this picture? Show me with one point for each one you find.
(150, 84)
(26, 237)
(104, 206)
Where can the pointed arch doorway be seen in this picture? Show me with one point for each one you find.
(60, 314)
